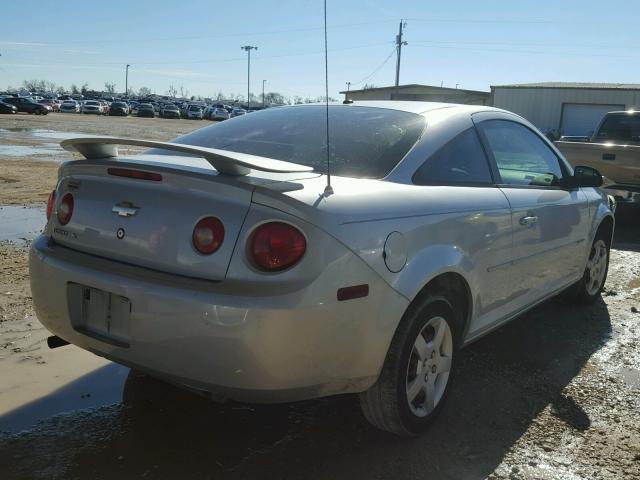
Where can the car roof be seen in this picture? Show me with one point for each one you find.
(411, 106)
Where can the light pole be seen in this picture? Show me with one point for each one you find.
(348, 86)
(263, 81)
(248, 49)
(126, 82)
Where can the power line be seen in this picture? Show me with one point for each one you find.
(536, 44)
(238, 59)
(377, 69)
(535, 52)
(203, 37)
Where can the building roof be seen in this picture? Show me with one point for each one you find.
(593, 86)
(414, 85)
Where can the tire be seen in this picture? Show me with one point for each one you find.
(37, 112)
(396, 403)
(590, 286)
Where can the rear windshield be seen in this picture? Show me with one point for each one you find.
(366, 142)
(620, 126)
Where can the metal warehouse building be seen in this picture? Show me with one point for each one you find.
(422, 93)
(566, 108)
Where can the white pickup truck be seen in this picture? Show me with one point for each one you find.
(614, 150)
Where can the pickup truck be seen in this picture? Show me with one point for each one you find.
(614, 150)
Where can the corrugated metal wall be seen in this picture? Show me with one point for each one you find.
(543, 106)
(422, 94)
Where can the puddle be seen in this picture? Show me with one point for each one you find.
(103, 386)
(21, 224)
(25, 151)
(42, 133)
(56, 135)
(631, 376)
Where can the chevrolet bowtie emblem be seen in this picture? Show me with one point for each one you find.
(125, 209)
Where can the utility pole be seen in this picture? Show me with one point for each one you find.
(248, 49)
(126, 82)
(263, 93)
(399, 44)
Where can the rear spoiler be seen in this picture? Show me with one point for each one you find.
(225, 162)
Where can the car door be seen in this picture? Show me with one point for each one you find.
(478, 223)
(550, 222)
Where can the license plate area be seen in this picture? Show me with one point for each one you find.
(100, 314)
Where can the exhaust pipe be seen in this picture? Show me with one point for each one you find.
(55, 342)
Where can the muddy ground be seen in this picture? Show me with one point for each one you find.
(553, 395)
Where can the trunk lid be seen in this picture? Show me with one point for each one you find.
(155, 225)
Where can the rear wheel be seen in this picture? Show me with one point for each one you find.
(417, 372)
(588, 289)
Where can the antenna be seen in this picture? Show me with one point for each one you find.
(328, 190)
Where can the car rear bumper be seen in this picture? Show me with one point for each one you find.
(241, 345)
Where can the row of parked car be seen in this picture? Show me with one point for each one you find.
(42, 106)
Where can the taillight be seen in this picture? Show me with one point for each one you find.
(65, 209)
(50, 203)
(277, 246)
(208, 235)
(137, 174)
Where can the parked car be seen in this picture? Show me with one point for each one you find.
(194, 112)
(614, 149)
(263, 283)
(236, 112)
(133, 105)
(219, 114)
(52, 104)
(170, 111)
(146, 110)
(7, 107)
(28, 105)
(93, 106)
(119, 109)
(70, 106)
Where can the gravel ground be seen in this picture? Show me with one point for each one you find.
(552, 395)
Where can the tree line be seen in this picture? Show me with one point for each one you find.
(271, 98)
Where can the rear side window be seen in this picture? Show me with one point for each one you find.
(620, 126)
(460, 162)
(521, 156)
(365, 142)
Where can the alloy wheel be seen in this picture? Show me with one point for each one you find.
(429, 366)
(596, 267)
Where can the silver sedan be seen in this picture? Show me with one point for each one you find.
(228, 261)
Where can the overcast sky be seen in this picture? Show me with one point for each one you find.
(196, 43)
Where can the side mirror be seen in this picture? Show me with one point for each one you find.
(585, 177)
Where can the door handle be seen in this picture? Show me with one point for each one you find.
(529, 220)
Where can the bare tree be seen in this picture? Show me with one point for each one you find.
(34, 85)
(110, 87)
(84, 88)
(275, 98)
(74, 88)
(172, 92)
(144, 91)
(50, 86)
